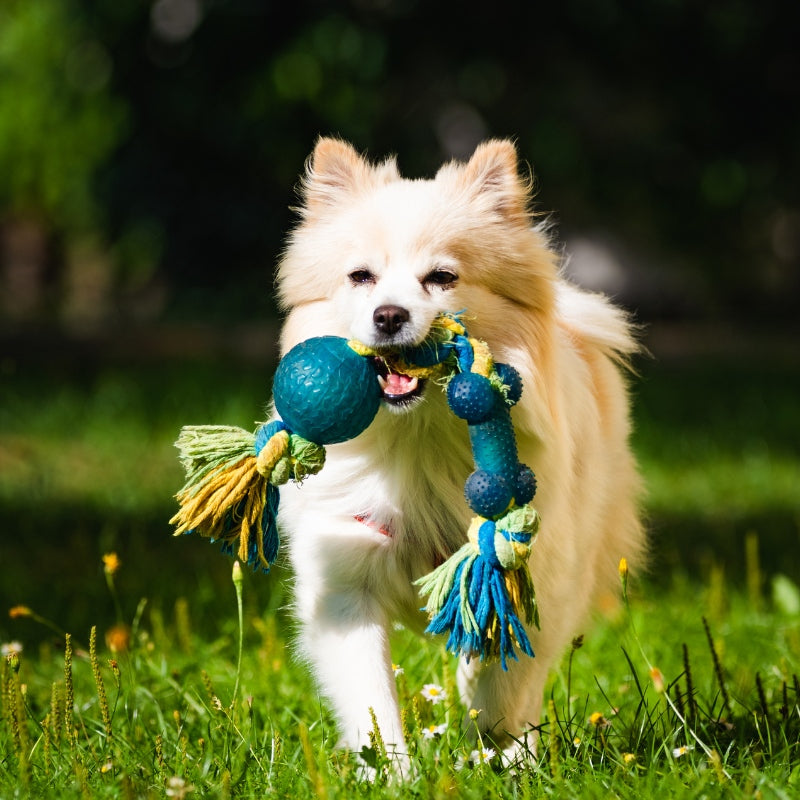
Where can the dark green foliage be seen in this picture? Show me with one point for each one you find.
(173, 132)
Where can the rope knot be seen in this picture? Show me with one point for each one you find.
(282, 455)
(506, 542)
(271, 445)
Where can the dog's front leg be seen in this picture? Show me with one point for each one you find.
(345, 637)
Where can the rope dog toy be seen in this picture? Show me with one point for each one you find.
(326, 390)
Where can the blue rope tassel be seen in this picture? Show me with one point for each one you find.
(477, 611)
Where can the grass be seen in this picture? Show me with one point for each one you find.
(188, 689)
(712, 711)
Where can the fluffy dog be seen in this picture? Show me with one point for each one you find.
(376, 257)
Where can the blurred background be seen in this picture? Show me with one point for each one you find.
(149, 153)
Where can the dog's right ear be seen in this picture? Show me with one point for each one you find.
(335, 170)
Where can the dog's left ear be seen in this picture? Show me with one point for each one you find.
(492, 174)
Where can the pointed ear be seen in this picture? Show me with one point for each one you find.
(335, 170)
(332, 170)
(492, 175)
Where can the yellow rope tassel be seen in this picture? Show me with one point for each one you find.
(450, 324)
(208, 505)
(230, 494)
(250, 519)
(483, 363)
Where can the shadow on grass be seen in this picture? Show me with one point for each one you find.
(52, 563)
(693, 545)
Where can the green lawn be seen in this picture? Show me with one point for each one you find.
(87, 468)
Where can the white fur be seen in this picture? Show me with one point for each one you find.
(406, 472)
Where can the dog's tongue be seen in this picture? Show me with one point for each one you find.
(396, 384)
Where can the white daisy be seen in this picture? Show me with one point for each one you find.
(397, 669)
(435, 694)
(178, 788)
(432, 731)
(682, 750)
(482, 756)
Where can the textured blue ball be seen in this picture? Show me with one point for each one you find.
(526, 485)
(471, 397)
(325, 392)
(511, 378)
(487, 493)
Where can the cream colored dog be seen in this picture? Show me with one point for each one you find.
(376, 257)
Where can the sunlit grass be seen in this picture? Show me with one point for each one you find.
(652, 691)
(108, 441)
(710, 484)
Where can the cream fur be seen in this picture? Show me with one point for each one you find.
(572, 426)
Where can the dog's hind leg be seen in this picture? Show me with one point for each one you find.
(508, 703)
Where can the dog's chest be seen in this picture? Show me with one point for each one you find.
(411, 483)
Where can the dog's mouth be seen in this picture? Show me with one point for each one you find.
(399, 390)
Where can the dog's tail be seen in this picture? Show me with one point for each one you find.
(599, 323)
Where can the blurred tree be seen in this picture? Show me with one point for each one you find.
(175, 129)
(59, 122)
(58, 119)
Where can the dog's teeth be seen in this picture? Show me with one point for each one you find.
(382, 382)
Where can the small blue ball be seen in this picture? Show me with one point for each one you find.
(526, 485)
(471, 397)
(487, 493)
(325, 392)
(511, 378)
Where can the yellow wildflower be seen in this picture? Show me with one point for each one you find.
(111, 563)
(118, 638)
(658, 680)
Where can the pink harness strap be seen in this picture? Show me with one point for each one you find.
(365, 520)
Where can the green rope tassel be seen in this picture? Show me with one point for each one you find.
(231, 493)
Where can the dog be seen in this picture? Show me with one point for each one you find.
(376, 257)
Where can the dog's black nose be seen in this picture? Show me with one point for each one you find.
(389, 319)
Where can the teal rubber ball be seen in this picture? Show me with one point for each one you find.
(487, 493)
(325, 392)
(512, 380)
(471, 397)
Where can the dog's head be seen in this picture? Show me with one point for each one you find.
(376, 257)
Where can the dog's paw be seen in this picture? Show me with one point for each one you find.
(520, 754)
(374, 767)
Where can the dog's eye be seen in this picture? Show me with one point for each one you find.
(439, 276)
(362, 276)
